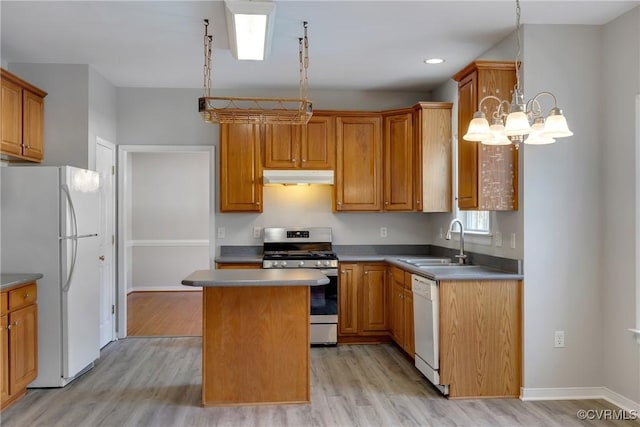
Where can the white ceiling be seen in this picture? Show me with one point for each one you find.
(365, 45)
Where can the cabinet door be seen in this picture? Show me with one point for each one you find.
(398, 162)
(397, 312)
(240, 170)
(358, 164)
(467, 150)
(433, 156)
(24, 347)
(348, 299)
(374, 298)
(409, 336)
(318, 149)
(32, 125)
(282, 146)
(4, 358)
(11, 118)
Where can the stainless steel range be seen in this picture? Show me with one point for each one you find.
(309, 247)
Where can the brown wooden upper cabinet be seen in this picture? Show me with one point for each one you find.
(240, 168)
(310, 146)
(398, 161)
(432, 167)
(487, 175)
(22, 119)
(358, 175)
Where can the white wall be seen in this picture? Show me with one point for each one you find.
(102, 113)
(66, 110)
(621, 84)
(169, 218)
(562, 212)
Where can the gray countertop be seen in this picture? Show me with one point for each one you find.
(474, 272)
(10, 280)
(256, 277)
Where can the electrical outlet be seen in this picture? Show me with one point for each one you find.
(441, 233)
(498, 238)
(513, 240)
(257, 232)
(383, 231)
(221, 232)
(558, 339)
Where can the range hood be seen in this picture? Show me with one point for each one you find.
(297, 176)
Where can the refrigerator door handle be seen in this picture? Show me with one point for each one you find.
(73, 237)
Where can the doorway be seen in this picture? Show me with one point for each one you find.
(165, 217)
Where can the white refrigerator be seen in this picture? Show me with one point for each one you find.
(49, 221)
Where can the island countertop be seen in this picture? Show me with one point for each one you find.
(262, 277)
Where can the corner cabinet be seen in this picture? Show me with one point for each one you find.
(240, 168)
(22, 124)
(19, 352)
(310, 146)
(487, 174)
(433, 163)
(358, 176)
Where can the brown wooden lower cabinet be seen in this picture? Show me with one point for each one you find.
(19, 352)
(363, 314)
(238, 266)
(402, 330)
(481, 338)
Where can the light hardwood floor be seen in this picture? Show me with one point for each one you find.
(155, 382)
(164, 314)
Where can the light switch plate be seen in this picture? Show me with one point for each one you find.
(498, 238)
(221, 232)
(383, 232)
(257, 232)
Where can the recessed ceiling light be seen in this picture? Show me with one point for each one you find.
(434, 61)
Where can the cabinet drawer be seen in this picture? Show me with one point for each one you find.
(22, 296)
(397, 274)
(4, 302)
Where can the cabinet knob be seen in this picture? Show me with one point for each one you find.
(386, 203)
(293, 160)
(304, 160)
(339, 203)
(26, 295)
(258, 203)
(9, 326)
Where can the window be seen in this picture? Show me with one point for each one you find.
(476, 221)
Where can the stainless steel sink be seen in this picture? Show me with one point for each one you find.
(452, 269)
(426, 261)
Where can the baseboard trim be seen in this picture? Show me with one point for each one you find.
(575, 393)
(164, 289)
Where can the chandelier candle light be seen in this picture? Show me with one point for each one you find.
(518, 121)
(293, 111)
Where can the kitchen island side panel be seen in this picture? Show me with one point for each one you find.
(256, 345)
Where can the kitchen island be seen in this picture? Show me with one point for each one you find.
(255, 335)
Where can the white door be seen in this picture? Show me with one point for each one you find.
(105, 165)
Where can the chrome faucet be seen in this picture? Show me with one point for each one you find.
(461, 257)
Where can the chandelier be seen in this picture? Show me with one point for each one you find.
(217, 109)
(518, 121)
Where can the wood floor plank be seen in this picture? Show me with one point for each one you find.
(166, 314)
(156, 382)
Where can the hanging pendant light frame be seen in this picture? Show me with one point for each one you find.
(513, 121)
(293, 111)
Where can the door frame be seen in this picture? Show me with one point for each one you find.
(113, 286)
(124, 195)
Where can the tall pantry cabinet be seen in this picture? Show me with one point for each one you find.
(487, 175)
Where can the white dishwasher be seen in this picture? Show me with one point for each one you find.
(426, 312)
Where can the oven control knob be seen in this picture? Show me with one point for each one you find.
(319, 263)
(327, 263)
(301, 263)
(283, 264)
(275, 263)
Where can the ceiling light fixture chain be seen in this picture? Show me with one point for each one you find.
(292, 111)
(208, 57)
(518, 121)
